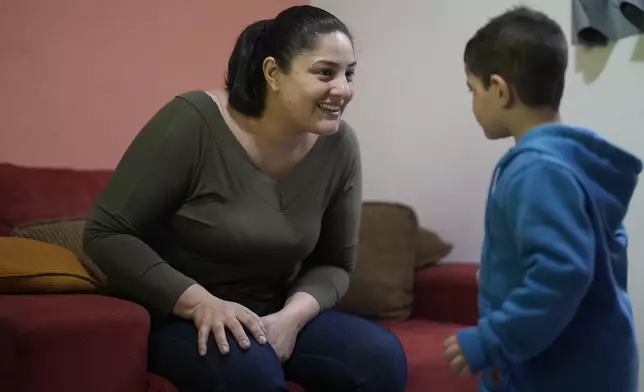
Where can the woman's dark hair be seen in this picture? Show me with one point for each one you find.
(293, 31)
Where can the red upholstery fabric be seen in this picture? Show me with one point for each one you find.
(72, 343)
(293, 387)
(159, 384)
(428, 370)
(447, 292)
(28, 194)
(78, 343)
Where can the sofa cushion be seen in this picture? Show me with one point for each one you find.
(33, 193)
(66, 233)
(447, 293)
(30, 266)
(431, 248)
(157, 383)
(382, 284)
(76, 342)
(427, 368)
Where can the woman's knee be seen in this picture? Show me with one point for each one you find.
(353, 353)
(173, 355)
(385, 365)
(256, 369)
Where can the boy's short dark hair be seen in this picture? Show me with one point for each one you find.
(527, 49)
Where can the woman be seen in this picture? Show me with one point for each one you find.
(233, 217)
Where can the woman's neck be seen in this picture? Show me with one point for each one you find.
(269, 131)
(266, 140)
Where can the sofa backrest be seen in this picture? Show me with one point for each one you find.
(31, 193)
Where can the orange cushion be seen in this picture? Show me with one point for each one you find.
(30, 266)
(66, 233)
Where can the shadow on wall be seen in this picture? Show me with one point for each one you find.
(638, 53)
(591, 60)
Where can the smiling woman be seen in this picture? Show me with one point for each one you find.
(233, 217)
(296, 65)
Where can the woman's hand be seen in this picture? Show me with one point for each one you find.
(213, 315)
(283, 327)
(281, 334)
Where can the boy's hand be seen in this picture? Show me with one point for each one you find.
(455, 357)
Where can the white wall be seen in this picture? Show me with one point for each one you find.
(420, 142)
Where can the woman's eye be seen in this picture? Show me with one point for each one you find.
(329, 74)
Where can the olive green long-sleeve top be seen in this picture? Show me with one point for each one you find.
(186, 204)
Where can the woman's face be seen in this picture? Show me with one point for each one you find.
(319, 85)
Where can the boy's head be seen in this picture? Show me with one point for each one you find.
(515, 67)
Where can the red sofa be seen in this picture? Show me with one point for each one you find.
(95, 343)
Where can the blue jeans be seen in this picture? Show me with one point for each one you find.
(335, 352)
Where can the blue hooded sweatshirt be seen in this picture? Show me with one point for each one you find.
(554, 313)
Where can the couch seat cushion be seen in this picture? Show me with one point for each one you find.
(72, 343)
(427, 368)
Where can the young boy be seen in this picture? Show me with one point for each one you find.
(555, 315)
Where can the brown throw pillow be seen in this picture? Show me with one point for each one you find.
(431, 248)
(382, 284)
(29, 266)
(66, 233)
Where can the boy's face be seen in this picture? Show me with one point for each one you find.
(488, 105)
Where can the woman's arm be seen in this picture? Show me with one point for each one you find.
(150, 182)
(326, 273)
(299, 309)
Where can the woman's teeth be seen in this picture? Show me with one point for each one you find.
(333, 109)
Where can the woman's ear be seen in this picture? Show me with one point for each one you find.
(503, 89)
(271, 73)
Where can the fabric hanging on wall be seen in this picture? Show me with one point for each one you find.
(596, 22)
(633, 10)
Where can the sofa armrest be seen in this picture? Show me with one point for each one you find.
(447, 292)
(72, 343)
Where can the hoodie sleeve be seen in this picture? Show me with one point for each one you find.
(546, 208)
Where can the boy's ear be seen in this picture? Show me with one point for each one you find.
(506, 94)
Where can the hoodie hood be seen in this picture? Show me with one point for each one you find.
(608, 173)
